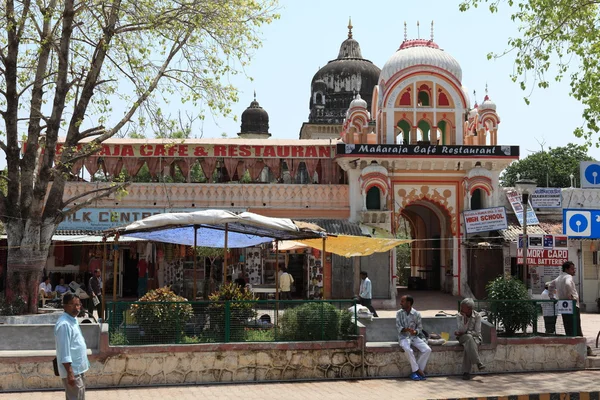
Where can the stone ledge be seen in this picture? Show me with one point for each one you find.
(43, 355)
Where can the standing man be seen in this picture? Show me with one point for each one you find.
(71, 350)
(469, 335)
(285, 285)
(410, 332)
(365, 293)
(548, 310)
(95, 286)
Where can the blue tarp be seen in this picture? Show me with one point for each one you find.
(207, 237)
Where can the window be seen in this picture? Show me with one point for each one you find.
(423, 99)
(374, 199)
(477, 199)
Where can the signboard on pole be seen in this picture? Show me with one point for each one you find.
(515, 200)
(487, 219)
(546, 198)
(542, 257)
(564, 307)
(580, 223)
(589, 174)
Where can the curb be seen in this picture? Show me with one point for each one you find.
(539, 396)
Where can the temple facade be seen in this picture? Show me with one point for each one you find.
(384, 151)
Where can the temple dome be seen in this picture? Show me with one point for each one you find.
(255, 122)
(420, 52)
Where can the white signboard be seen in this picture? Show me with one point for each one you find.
(589, 174)
(487, 219)
(546, 198)
(564, 307)
(515, 200)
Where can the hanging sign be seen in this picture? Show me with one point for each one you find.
(516, 201)
(546, 198)
(487, 219)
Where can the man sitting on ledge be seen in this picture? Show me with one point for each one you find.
(469, 335)
(410, 332)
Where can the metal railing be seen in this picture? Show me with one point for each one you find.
(143, 323)
(531, 317)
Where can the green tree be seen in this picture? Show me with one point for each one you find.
(552, 34)
(548, 168)
(91, 70)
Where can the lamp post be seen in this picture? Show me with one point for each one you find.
(525, 187)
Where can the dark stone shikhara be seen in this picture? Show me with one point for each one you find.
(432, 150)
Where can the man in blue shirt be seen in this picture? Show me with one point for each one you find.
(365, 293)
(71, 350)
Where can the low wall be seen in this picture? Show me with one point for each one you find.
(252, 362)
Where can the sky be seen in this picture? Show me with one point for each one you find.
(310, 32)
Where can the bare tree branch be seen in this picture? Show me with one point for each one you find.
(106, 192)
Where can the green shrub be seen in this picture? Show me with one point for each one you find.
(505, 311)
(118, 338)
(162, 323)
(241, 309)
(315, 322)
(260, 335)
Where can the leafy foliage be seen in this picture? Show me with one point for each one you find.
(315, 321)
(553, 33)
(118, 338)
(234, 304)
(505, 309)
(90, 70)
(162, 315)
(551, 167)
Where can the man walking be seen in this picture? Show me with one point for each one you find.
(410, 333)
(469, 335)
(95, 286)
(365, 293)
(285, 285)
(71, 350)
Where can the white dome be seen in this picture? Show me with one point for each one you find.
(358, 102)
(420, 52)
(487, 104)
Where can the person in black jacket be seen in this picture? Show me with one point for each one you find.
(95, 292)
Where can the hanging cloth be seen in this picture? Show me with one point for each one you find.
(166, 166)
(77, 166)
(208, 165)
(231, 167)
(184, 167)
(153, 165)
(132, 165)
(311, 167)
(91, 164)
(255, 166)
(274, 165)
(112, 165)
(292, 166)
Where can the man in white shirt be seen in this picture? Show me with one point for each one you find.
(410, 333)
(548, 310)
(365, 293)
(46, 289)
(285, 285)
(566, 290)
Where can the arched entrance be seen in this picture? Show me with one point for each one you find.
(432, 248)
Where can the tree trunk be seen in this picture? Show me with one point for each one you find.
(28, 246)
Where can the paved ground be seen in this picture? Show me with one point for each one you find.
(376, 389)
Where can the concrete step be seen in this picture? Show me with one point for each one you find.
(592, 362)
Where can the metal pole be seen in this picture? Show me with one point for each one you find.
(323, 265)
(195, 260)
(525, 241)
(115, 267)
(103, 280)
(276, 280)
(225, 255)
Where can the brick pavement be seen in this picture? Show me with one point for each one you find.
(376, 389)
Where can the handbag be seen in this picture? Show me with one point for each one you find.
(55, 366)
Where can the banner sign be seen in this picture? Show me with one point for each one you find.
(546, 198)
(211, 150)
(543, 256)
(516, 201)
(99, 219)
(580, 223)
(544, 242)
(487, 219)
(427, 150)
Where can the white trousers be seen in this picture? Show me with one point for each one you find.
(424, 352)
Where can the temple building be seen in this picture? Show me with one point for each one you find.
(383, 151)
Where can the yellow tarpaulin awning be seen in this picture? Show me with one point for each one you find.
(346, 245)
